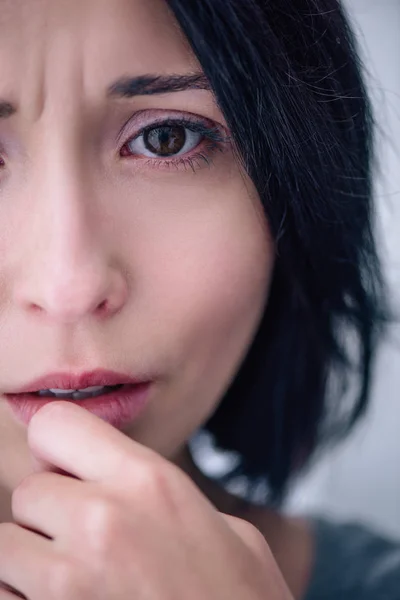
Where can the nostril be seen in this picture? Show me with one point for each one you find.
(103, 307)
(36, 308)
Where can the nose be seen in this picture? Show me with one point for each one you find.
(68, 292)
(67, 270)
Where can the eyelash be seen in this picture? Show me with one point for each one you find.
(210, 134)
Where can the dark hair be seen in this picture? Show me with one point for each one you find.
(287, 77)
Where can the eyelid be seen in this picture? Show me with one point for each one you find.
(215, 137)
(159, 117)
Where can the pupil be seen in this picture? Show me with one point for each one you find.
(165, 141)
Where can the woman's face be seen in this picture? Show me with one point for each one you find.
(164, 230)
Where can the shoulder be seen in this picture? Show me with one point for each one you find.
(352, 561)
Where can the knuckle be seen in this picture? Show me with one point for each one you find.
(65, 580)
(6, 528)
(160, 485)
(28, 488)
(102, 521)
(27, 484)
(150, 480)
(7, 532)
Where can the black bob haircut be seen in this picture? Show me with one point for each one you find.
(288, 78)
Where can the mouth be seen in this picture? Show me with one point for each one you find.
(116, 398)
(87, 382)
(118, 404)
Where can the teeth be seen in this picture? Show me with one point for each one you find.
(95, 388)
(90, 392)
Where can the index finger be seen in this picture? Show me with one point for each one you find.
(71, 438)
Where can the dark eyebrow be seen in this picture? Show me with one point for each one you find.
(146, 85)
(6, 109)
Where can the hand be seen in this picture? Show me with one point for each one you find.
(120, 522)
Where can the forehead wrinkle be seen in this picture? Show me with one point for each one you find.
(65, 47)
(52, 66)
(21, 65)
(19, 10)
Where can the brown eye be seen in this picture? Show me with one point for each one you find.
(165, 141)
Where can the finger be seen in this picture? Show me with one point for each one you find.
(39, 465)
(71, 438)
(23, 555)
(48, 503)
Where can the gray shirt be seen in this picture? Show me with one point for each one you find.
(353, 563)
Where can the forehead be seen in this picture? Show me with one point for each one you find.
(135, 35)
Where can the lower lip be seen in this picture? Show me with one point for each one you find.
(118, 408)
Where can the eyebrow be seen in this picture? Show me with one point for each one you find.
(143, 85)
(147, 85)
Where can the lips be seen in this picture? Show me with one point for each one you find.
(121, 407)
(70, 381)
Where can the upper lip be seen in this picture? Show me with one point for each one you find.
(71, 381)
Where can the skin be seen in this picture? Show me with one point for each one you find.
(110, 261)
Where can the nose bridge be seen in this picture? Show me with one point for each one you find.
(69, 271)
(61, 190)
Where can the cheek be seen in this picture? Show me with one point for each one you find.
(211, 290)
(219, 281)
(213, 276)
(201, 261)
